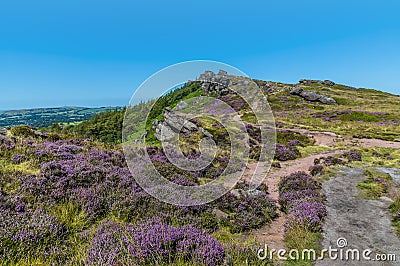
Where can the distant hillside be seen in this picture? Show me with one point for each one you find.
(45, 117)
(105, 127)
(344, 110)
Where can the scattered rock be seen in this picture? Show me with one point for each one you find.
(220, 214)
(387, 200)
(312, 96)
(312, 81)
(3, 131)
(181, 105)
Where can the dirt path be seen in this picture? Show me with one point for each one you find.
(365, 224)
(374, 143)
(273, 234)
(330, 139)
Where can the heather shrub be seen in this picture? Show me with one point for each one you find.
(152, 242)
(309, 215)
(291, 198)
(353, 155)
(28, 232)
(284, 153)
(329, 161)
(248, 211)
(298, 181)
(317, 169)
(17, 158)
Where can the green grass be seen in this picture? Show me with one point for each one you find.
(298, 111)
(285, 137)
(395, 210)
(359, 116)
(387, 157)
(375, 185)
(24, 167)
(313, 150)
(300, 239)
(69, 214)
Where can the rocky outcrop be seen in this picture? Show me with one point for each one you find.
(174, 123)
(312, 81)
(3, 131)
(312, 96)
(211, 82)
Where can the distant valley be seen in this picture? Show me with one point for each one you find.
(44, 117)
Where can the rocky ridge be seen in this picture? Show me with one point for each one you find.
(312, 96)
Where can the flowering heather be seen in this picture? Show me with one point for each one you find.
(152, 242)
(316, 169)
(329, 161)
(17, 158)
(291, 198)
(234, 101)
(27, 228)
(6, 143)
(84, 183)
(298, 181)
(353, 155)
(307, 214)
(248, 211)
(294, 142)
(284, 153)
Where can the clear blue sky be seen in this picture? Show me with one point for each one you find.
(95, 53)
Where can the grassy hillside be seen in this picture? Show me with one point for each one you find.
(360, 113)
(69, 198)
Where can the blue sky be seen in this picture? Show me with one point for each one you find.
(96, 53)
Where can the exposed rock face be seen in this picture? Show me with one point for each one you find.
(3, 131)
(312, 96)
(312, 81)
(212, 82)
(174, 123)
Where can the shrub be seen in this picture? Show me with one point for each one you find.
(152, 242)
(309, 215)
(298, 181)
(22, 131)
(329, 161)
(291, 198)
(284, 153)
(353, 155)
(316, 169)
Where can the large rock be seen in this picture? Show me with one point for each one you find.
(212, 82)
(312, 96)
(3, 131)
(174, 123)
(313, 81)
